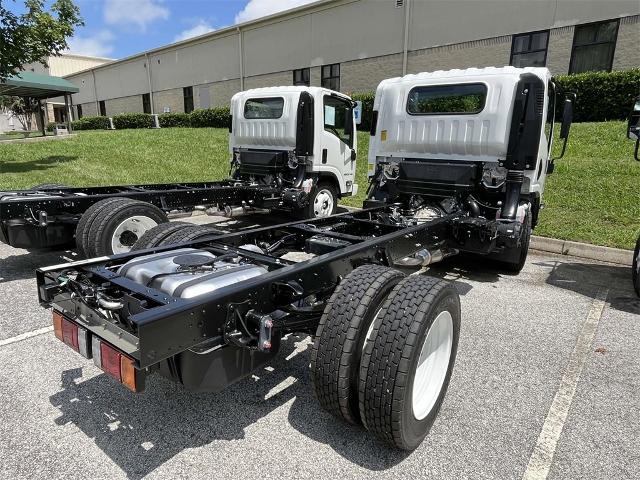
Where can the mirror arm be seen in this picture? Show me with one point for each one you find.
(564, 148)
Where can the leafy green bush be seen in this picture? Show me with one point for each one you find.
(601, 96)
(90, 123)
(210, 117)
(367, 108)
(51, 126)
(132, 120)
(169, 120)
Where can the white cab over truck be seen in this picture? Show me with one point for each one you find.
(300, 138)
(293, 148)
(478, 140)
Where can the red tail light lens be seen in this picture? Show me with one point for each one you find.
(70, 334)
(110, 361)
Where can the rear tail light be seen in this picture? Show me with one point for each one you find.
(106, 357)
(72, 334)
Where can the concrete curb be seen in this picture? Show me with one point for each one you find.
(582, 250)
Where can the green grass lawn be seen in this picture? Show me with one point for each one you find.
(592, 197)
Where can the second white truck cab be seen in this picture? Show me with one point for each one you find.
(478, 139)
(302, 138)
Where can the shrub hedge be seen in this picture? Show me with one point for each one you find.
(602, 96)
(169, 120)
(51, 126)
(90, 123)
(210, 117)
(132, 120)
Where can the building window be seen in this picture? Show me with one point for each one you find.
(468, 98)
(593, 47)
(302, 77)
(529, 49)
(103, 108)
(146, 103)
(331, 76)
(188, 99)
(79, 109)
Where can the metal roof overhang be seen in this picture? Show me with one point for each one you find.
(35, 85)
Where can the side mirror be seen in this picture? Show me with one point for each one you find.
(353, 155)
(567, 116)
(348, 124)
(633, 127)
(230, 123)
(565, 127)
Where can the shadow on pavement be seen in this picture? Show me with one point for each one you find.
(140, 432)
(584, 278)
(23, 266)
(43, 163)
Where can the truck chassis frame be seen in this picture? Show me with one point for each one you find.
(163, 326)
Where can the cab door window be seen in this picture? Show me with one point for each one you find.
(338, 119)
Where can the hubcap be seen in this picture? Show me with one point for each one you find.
(323, 204)
(129, 231)
(432, 365)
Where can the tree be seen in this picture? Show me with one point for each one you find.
(36, 34)
(24, 109)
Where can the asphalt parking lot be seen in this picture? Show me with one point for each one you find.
(552, 350)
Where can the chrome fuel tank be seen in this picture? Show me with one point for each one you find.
(187, 272)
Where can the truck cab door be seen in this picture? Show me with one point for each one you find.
(338, 145)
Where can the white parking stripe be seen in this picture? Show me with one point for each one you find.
(542, 456)
(24, 336)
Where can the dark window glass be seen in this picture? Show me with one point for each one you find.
(188, 99)
(593, 47)
(330, 76)
(146, 103)
(551, 113)
(264, 108)
(338, 118)
(437, 99)
(103, 108)
(79, 108)
(529, 49)
(302, 77)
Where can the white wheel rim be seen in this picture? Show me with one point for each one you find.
(130, 230)
(323, 204)
(432, 366)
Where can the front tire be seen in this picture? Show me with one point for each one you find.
(407, 364)
(323, 201)
(514, 259)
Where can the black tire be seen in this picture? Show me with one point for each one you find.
(514, 259)
(390, 359)
(107, 220)
(341, 333)
(317, 207)
(49, 186)
(189, 234)
(154, 237)
(87, 219)
(636, 268)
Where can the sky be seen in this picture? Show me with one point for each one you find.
(119, 28)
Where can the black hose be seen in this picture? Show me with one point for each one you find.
(512, 197)
(473, 206)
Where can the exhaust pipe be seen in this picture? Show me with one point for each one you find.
(425, 257)
(232, 212)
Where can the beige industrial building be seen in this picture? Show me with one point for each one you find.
(351, 45)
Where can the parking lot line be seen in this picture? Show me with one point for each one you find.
(542, 456)
(24, 336)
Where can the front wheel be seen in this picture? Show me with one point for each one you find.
(636, 268)
(323, 201)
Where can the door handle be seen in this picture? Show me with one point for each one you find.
(324, 155)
